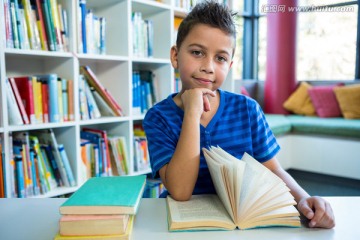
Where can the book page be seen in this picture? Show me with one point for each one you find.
(217, 175)
(199, 208)
(238, 168)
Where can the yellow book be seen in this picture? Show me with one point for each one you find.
(38, 106)
(32, 30)
(125, 236)
(248, 196)
(60, 99)
(55, 14)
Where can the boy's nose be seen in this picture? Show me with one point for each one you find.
(207, 66)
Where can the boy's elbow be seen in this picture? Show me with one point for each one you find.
(180, 196)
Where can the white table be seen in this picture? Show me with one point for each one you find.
(37, 219)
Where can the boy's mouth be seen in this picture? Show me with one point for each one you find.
(203, 80)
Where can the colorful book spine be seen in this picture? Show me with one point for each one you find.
(71, 111)
(37, 92)
(49, 27)
(65, 159)
(95, 83)
(65, 99)
(45, 100)
(8, 25)
(40, 20)
(19, 173)
(14, 24)
(56, 21)
(13, 110)
(82, 4)
(31, 30)
(24, 85)
(60, 100)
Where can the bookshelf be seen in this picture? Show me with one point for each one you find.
(114, 70)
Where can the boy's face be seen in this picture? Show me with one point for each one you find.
(204, 58)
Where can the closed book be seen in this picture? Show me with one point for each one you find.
(82, 4)
(51, 81)
(125, 236)
(95, 83)
(103, 134)
(47, 136)
(14, 113)
(24, 85)
(71, 111)
(60, 100)
(37, 92)
(45, 100)
(67, 166)
(49, 26)
(41, 26)
(88, 225)
(106, 195)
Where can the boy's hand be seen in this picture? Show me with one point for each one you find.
(318, 211)
(196, 100)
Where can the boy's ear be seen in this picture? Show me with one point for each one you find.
(174, 56)
(231, 64)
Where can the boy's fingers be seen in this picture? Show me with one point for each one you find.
(305, 209)
(206, 103)
(320, 209)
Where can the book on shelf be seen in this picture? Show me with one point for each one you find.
(47, 136)
(49, 25)
(37, 92)
(248, 196)
(118, 155)
(50, 80)
(125, 236)
(105, 94)
(88, 225)
(14, 114)
(25, 86)
(98, 159)
(103, 134)
(41, 25)
(106, 195)
(71, 111)
(32, 29)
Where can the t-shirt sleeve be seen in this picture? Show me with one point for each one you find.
(264, 142)
(161, 143)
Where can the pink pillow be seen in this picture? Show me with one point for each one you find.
(324, 101)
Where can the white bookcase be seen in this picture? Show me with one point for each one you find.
(114, 70)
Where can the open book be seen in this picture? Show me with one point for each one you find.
(248, 196)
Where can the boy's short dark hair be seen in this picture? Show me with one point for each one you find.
(210, 13)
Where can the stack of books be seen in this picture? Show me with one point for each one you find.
(102, 208)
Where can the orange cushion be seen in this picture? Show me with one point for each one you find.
(299, 102)
(348, 98)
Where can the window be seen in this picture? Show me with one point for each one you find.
(327, 39)
(326, 47)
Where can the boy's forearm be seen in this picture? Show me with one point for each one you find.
(296, 190)
(182, 171)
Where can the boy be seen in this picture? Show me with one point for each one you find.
(202, 115)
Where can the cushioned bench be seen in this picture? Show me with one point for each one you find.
(324, 145)
(340, 127)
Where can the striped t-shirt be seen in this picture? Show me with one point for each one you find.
(238, 126)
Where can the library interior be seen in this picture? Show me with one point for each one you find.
(77, 78)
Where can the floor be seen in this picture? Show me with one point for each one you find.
(325, 185)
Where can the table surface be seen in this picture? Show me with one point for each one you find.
(28, 219)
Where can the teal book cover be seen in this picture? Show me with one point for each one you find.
(106, 195)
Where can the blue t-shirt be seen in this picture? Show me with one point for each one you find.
(238, 126)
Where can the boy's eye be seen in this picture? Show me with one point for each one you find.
(196, 53)
(221, 59)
